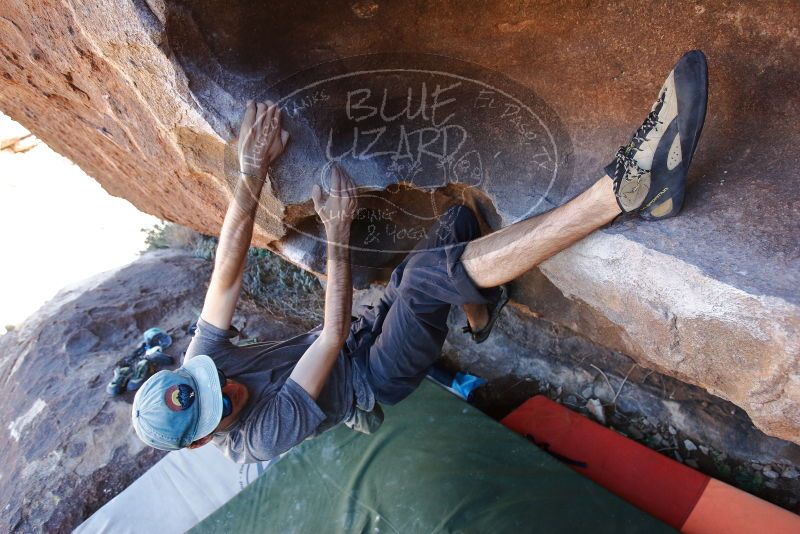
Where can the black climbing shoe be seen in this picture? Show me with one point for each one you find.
(122, 374)
(142, 370)
(479, 336)
(649, 173)
(158, 356)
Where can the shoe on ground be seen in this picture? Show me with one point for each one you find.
(118, 384)
(649, 173)
(158, 356)
(142, 370)
(156, 337)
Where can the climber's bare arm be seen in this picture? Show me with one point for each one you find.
(313, 368)
(261, 141)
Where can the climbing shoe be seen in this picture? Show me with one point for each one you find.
(158, 356)
(142, 369)
(155, 337)
(479, 336)
(122, 373)
(649, 173)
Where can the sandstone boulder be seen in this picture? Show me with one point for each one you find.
(523, 106)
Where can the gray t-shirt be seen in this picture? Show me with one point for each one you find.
(279, 414)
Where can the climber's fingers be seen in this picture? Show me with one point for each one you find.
(261, 108)
(316, 197)
(269, 118)
(271, 131)
(276, 118)
(260, 118)
(341, 204)
(274, 136)
(336, 181)
(342, 185)
(246, 128)
(248, 119)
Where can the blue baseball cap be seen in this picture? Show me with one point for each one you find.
(174, 408)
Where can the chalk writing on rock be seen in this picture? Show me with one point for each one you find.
(420, 133)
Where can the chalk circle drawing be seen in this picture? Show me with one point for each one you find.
(418, 133)
(249, 472)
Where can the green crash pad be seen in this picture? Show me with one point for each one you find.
(436, 465)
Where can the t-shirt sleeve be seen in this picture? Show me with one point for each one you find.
(281, 421)
(210, 340)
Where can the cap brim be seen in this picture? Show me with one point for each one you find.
(209, 393)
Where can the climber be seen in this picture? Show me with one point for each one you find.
(259, 400)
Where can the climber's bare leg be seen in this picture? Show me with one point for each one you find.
(504, 255)
(477, 315)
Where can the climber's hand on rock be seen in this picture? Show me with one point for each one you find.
(261, 139)
(338, 210)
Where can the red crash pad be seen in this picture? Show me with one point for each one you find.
(666, 489)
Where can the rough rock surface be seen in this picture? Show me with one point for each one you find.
(145, 95)
(67, 447)
(528, 356)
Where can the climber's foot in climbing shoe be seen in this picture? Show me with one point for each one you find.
(649, 173)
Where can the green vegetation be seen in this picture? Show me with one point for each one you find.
(282, 287)
(269, 280)
(155, 237)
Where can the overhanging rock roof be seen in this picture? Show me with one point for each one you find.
(145, 96)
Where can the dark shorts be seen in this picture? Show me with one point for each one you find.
(401, 337)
